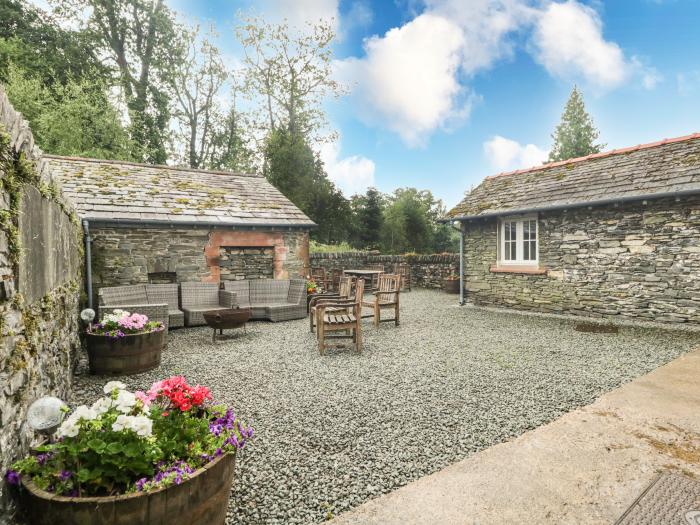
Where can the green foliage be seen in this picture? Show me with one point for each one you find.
(405, 221)
(72, 119)
(38, 46)
(293, 168)
(317, 247)
(368, 210)
(575, 135)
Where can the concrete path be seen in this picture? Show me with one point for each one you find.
(586, 467)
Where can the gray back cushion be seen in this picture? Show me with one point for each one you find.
(242, 290)
(297, 291)
(268, 291)
(123, 295)
(163, 293)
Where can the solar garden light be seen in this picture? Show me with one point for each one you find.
(45, 415)
(88, 315)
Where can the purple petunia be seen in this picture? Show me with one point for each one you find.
(65, 475)
(12, 477)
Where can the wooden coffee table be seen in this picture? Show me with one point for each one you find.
(226, 319)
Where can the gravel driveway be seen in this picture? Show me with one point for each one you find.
(334, 431)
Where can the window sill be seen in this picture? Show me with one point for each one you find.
(524, 269)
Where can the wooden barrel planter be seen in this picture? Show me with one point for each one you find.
(201, 499)
(130, 354)
(450, 285)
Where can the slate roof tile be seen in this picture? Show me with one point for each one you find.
(668, 166)
(106, 189)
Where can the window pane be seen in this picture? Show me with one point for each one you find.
(526, 250)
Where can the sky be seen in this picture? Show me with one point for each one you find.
(446, 92)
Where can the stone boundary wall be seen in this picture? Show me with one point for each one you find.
(427, 271)
(40, 281)
(636, 261)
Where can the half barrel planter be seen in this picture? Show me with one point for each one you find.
(130, 354)
(201, 499)
(450, 285)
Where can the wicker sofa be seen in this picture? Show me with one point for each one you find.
(273, 299)
(197, 298)
(158, 301)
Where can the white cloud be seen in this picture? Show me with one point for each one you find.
(408, 79)
(352, 174)
(300, 12)
(505, 154)
(568, 39)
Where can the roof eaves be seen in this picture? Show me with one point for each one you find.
(565, 206)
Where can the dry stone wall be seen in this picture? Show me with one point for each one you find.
(427, 271)
(40, 278)
(636, 261)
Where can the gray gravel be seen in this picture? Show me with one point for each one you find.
(337, 430)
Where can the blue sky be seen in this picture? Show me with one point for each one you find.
(445, 92)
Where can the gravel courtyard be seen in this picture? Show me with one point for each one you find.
(334, 431)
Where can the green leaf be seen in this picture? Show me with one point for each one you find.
(97, 445)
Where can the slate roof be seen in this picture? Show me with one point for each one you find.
(105, 190)
(671, 166)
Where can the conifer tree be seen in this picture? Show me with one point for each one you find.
(575, 136)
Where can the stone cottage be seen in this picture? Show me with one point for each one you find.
(613, 234)
(146, 223)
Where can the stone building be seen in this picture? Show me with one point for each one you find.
(614, 234)
(150, 223)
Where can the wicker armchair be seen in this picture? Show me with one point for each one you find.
(273, 299)
(134, 299)
(197, 298)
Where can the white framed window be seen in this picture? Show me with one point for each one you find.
(519, 243)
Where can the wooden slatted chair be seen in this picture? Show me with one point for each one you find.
(336, 275)
(404, 270)
(318, 275)
(348, 322)
(386, 296)
(343, 294)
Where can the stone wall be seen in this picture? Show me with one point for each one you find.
(427, 271)
(40, 281)
(128, 255)
(246, 263)
(637, 261)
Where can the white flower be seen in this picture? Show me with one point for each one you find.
(109, 387)
(83, 412)
(125, 401)
(121, 423)
(142, 425)
(115, 316)
(102, 405)
(68, 429)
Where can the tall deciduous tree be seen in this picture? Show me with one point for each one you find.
(141, 39)
(289, 72)
(575, 136)
(369, 219)
(197, 81)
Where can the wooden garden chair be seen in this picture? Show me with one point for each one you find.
(343, 294)
(404, 270)
(318, 275)
(349, 322)
(386, 296)
(336, 275)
